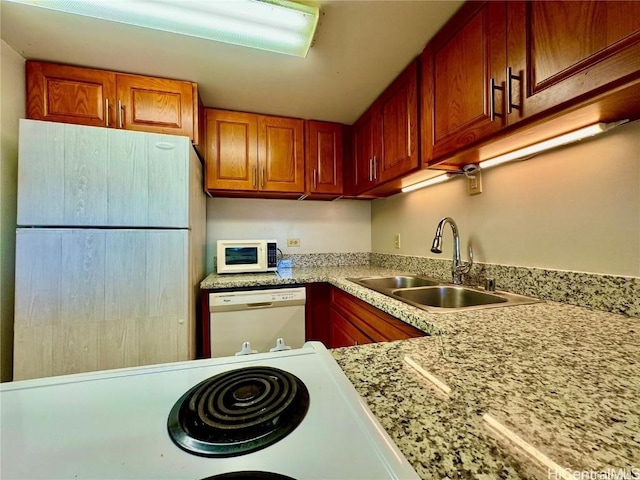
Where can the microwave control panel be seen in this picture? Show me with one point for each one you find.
(272, 255)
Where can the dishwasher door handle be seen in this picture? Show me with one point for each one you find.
(259, 304)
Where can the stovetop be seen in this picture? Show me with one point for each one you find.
(113, 425)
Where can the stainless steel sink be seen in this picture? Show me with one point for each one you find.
(400, 281)
(447, 297)
(434, 296)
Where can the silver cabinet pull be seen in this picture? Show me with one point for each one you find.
(509, 93)
(120, 108)
(315, 178)
(106, 112)
(375, 168)
(263, 175)
(255, 177)
(492, 100)
(371, 169)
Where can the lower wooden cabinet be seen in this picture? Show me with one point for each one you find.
(354, 322)
(317, 326)
(344, 333)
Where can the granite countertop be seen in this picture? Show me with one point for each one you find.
(564, 379)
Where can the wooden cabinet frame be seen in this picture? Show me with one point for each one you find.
(546, 81)
(100, 98)
(247, 154)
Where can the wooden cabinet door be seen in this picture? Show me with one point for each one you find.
(61, 93)
(561, 50)
(324, 157)
(365, 141)
(317, 325)
(460, 66)
(155, 105)
(344, 333)
(231, 153)
(398, 107)
(280, 154)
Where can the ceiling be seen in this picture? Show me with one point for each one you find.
(359, 48)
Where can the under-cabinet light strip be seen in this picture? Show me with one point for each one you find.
(534, 149)
(553, 468)
(437, 383)
(427, 183)
(565, 139)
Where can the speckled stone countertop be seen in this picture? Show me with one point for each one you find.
(564, 379)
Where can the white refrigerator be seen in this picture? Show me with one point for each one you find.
(109, 249)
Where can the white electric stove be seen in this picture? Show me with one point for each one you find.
(126, 424)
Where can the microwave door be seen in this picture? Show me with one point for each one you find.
(247, 256)
(241, 256)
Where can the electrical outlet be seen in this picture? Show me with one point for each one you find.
(397, 240)
(293, 242)
(474, 183)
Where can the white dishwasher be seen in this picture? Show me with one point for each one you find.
(256, 316)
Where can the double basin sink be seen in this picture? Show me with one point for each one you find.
(434, 296)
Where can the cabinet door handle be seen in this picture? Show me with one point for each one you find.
(120, 109)
(106, 112)
(492, 100)
(315, 178)
(375, 168)
(509, 93)
(255, 177)
(263, 175)
(371, 169)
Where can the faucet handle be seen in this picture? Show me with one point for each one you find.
(465, 267)
(489, 284)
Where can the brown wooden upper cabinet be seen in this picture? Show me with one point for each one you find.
(247, 152)
(497, 63)
(365, 145)
(385, 137)
(323, 153)
(559, 51)
(85, 96)
(463, 68)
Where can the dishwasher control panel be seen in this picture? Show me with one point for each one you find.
(250, 297)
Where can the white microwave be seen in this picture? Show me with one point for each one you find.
(247, 256)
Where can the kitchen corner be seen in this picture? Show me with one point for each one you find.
(351, 352)
(560, 377)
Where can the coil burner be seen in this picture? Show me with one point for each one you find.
(238, 412)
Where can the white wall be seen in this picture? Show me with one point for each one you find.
(12, 103)
(576, 208)
(340, 226)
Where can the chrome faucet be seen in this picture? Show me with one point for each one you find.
(458, 267)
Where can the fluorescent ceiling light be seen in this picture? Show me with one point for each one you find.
(275, 25)
(427, 183)
(570, 137)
